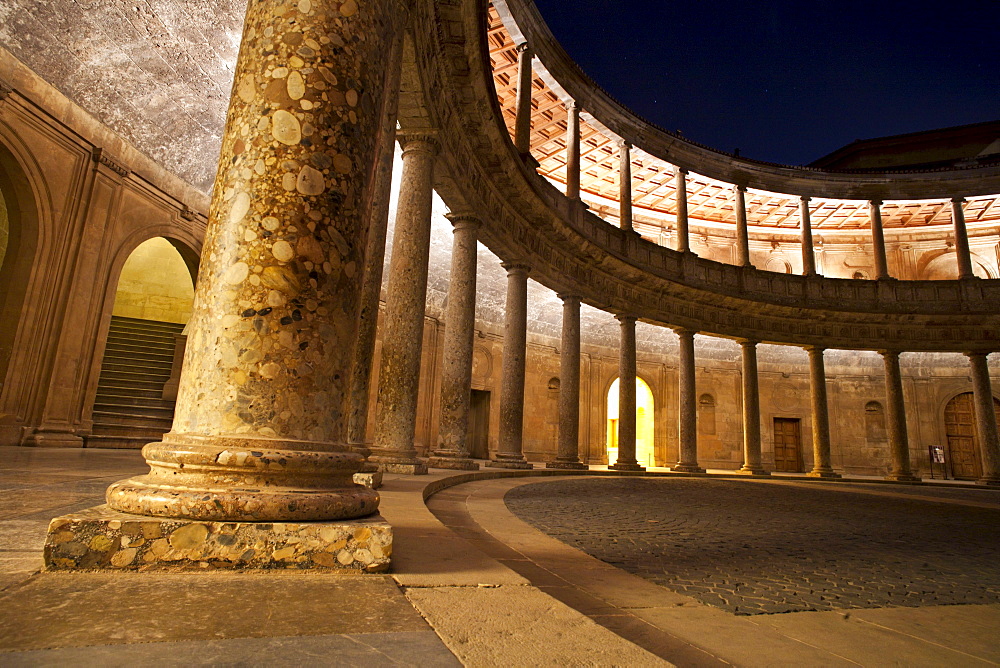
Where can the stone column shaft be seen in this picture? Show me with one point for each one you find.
(899, 443)
(820, 416)
(961, 239)
(259, 431)
(742, 231)
(808, 255)
(626, 397)
(509, 453)
(751, 411)
(568, 456)
(878, 240)
(687, 413)
(403, 332)
(625, 184)
(683, 237)
(522, 122)
(986, 420)
(572, 150)
(459, 334)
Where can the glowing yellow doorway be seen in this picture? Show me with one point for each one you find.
(643, 423)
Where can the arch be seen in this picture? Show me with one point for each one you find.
(875, 429)
(778, 265)
(155, 283)
(944, 266)
(962, 438)
(645, 427)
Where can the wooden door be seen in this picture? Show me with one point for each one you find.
(963, 441)
(787, 445)
(479, 425)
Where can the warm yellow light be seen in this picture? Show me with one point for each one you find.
(644, 424)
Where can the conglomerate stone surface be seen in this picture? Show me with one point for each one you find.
(759, 548)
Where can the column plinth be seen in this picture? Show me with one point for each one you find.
(751, 412)
(687, 414)
(402, 339)
(567, 456)
(821, 416)
(509, 454)
(899, 443)
(626, 398)
(456, 371)
(986, 421)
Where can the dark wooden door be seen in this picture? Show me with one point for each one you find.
(787, 445)
(963, 442)
(479, 424)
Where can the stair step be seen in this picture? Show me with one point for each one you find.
(130, 430)
(118, 379)
(140, 323)
(117, 442)
(120, 418)
(130, 390)
(130, 401)
(118, 365)
(138, 411)
(145, 356)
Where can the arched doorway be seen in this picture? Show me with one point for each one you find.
(963, 442)
(153, 302)
(644, 423)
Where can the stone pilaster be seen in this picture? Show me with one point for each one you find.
(820, 416)
(259, 432)
(742, 230)
(683, 237)
(522, 122)
(687, 414)
(460, 329)
(986, 419)
(808, 254)
(899, 443)
(626, 397)
(751, 411)
(878, 240)
(403, 332)
(568, 456)
(961, 238)
(572, 150)
(509, 454)
(625, 184)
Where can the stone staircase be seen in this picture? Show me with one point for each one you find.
(130, 411)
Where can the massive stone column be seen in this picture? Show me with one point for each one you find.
(742, 231)
(403, 331)
(808, 255)
(371, 285)
(568, 456)
(522, 122)
(986, 419)
(687, 414)
(625, 184)
(961, 239)
(509, 453)
(820, 416)
(259, 433)
(572, 150)
(751, 411)
(626, 397)
(899, 443)
(683, 238)
(459, 333)
(878, 239)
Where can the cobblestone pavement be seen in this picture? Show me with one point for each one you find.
(759, 548)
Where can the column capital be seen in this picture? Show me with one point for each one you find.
(680, 171)
(424, 140)
(572, 105)
(741, 188)
(522, 47)
(874, 203)
(626, 317)
(805, 199)
(958, 200)
(516, 267)
(888, 352)
(623, 144)
(684, 331)
(748, 343)
(973, 354)
(568, 298)
(464, 219)
(815, 350)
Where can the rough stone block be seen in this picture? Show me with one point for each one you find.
(103, 539)
(370, 479)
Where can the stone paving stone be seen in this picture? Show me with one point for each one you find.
(758, 548)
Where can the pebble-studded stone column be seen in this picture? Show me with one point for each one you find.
(986, 418)
(964, 255)
(459, 333)
(509, 453)
(626, 397)
(899, 443)
(625, 184)
(371, 286)
(259, 432)
(680, 184)
(572, 150)
(687, 414)
(751, 411)
(808, 255)
(878, 239)
(522, 123)
(568, 456)
(820, 415)
(742, 231)
(403, 331)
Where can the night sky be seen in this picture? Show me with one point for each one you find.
(789, 81)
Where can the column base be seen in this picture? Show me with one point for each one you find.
(104, 539)
(626, 467)
(396, 463)
(903, 477)
(754, 470)
(687, 468)
(509, 464)
(569, 466)
(990, 481)
(823, 473)
(453, 463)
(46, 438)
